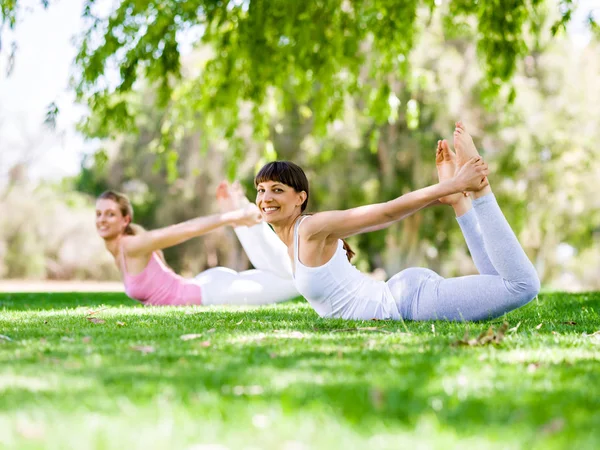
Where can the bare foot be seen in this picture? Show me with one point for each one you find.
(463, 144)
(238, 195)
(465, 150)
(247, 215)
(445, 161)
(224, 198)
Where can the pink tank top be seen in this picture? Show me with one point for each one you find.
(157, 284)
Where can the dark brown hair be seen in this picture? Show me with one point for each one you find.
(291, 175)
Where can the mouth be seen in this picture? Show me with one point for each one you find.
(270, 209)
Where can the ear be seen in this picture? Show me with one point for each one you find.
(302, 197)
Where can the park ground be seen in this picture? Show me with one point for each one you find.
(92, 370)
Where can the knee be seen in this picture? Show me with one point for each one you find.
(533, 286)
(527, 289)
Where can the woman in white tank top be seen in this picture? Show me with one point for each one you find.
(335, 288)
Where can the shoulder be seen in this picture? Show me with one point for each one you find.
(314, 226)
(130, 244)
(305, 224)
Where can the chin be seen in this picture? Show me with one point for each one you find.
(106, 235)
(267, 218)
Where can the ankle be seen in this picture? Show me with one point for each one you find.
(462, 207)
(482, 193)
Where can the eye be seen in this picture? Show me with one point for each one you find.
(278, 190)
(260, 190)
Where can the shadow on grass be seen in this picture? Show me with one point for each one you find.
(59, 300)
(359, 386)
(361, 378)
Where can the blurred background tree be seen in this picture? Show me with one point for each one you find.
(358, 94)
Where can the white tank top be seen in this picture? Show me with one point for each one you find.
(337, 289)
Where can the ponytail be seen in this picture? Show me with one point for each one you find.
(349, 252)
(133, 229)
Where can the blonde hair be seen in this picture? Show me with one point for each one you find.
(126, 210)
(132, 229)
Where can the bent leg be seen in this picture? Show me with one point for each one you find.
(474, 297)
(421, 294)
(446, 164)
(265, 250)
(502, 246)
(471, 230)
(222, 286)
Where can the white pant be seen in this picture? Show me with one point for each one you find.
(270, 282)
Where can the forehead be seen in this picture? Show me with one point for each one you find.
(271, 183)
(106, 203)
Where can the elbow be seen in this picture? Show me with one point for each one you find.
(386, 215)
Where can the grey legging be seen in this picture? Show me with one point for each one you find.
(507, 278)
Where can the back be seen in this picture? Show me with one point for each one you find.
(157, 284)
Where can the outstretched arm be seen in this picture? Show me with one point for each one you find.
(176, 234)
(342, 224)
(382, 226)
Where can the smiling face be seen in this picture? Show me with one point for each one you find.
(281, 191)
(110, 221)
(277, 201)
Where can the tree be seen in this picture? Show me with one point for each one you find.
(274, 53)
(359, 160)
(362, 136)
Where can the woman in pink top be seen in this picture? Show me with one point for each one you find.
(150, 280)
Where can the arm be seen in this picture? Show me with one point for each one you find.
(175, 234)
(382, 226)
(341, 224)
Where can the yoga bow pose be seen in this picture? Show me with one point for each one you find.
(335, 288)
(150, 280)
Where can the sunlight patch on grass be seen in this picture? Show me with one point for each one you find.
(279, 377)
(273, 336)
(32, 384)
(553, 355)
(46, 383)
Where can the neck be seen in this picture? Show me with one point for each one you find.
(285, 230)
(113, 244)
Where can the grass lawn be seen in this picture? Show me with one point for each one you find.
(279, 377)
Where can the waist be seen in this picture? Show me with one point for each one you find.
(164, 290)
(353, 296)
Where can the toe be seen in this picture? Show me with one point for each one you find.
(222, 189)
(439, 153)
(446, 151)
